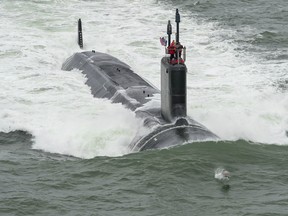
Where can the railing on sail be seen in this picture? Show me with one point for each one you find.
(179, 52)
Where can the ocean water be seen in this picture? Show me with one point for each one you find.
(64, 152)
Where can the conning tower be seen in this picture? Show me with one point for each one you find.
(173, 77)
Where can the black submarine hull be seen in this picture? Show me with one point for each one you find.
(108, 77)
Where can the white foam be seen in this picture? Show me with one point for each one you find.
(233, 93)
(229, 91)
(222, 175)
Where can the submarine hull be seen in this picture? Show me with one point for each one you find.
(111, 78)
(173, 135)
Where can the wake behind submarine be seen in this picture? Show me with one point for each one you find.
(111, 78)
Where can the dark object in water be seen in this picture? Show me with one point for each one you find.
(111, 78)
(80, 35)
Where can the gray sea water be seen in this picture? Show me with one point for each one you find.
(63, 152)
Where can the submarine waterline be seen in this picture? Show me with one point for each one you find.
(108, 77)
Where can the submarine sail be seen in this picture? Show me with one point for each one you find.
(169, 125)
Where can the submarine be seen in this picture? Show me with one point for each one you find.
(168, 124)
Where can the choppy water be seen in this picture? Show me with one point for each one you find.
(64, 152)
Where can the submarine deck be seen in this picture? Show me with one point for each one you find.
(111, 78)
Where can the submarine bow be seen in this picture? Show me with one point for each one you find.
(168, 125)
